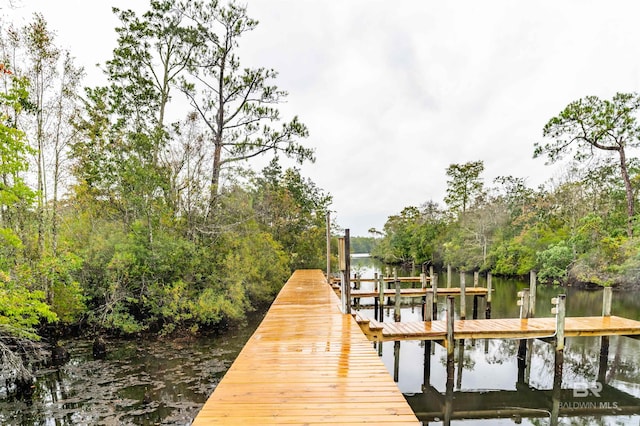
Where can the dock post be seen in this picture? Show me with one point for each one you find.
(604, 340)
(381, 298)
(396, 361)
(476, 278)
(426, 378)
(396, 310)
(489, 290)
(434, 287)
(450, 338)
(423, 283)
(328, 247)
(474, 311)
(375, 299)
(448, 276)
(533, 279)
(523, 302)
(559, 311)
(347, 270)
(427, 313)
(463, 301)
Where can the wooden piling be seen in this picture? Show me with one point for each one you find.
(607, 296)
(604, 340)
(523, 302)
(398, 298)
(375, 299)
(450, 319)
(560, 312)
(396, 361)
(463, 301)
(448, 276)
(489, 289)
(428, 308)
(347, 274)
(329, 247)
(434, 289)
(476, 278)
(448, 409)
(533, 279)
(381, 298)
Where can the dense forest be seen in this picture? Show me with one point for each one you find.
(580, 228)
(122, 213)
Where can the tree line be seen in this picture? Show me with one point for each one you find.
(121, 210)
(579, 228)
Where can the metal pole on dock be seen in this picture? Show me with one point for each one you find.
(463, 301)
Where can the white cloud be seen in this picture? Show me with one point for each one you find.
(395, 92)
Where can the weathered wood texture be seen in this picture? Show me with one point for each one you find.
(508, 328)
(309, 364)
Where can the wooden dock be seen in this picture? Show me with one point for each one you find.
(506, 328)
(307, 364)
(419, 292)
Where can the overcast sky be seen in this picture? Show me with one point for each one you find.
(393, 92)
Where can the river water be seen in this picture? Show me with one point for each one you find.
(486, 388)
(166, 382)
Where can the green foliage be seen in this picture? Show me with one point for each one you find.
(362, 244)
(554, 263)
(22, 310)
(465, 186)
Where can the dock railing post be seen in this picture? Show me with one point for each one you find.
(463, 299)
(560, 311)
(604, 340)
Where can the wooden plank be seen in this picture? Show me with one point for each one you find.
(307, 363)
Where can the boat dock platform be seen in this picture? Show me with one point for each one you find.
(307, 364)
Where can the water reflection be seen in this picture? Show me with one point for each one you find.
(140, 382)
(488, 386)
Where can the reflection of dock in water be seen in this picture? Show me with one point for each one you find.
(523, 402)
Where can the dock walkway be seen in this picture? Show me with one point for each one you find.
(507, 328)
(307, 363)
